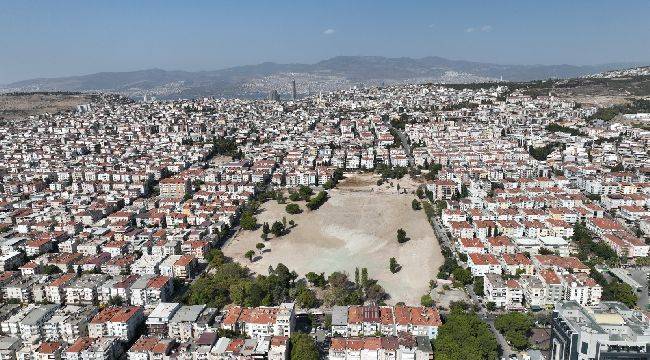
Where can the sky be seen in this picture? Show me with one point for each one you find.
(61, 38)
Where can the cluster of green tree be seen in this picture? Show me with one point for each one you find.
(420, 192)
(303, 347)
(336, 177)
(433, 171)
(341, 291)
(615, 290)
(225, 146)
(591, 251)
(541, 153)
(593, 197)
(614, 139)
(397, 140)
(618, 167)
(293, 208)
(248, 221)
(318, 200)
(478, 286)
(317, 280)
(516, 328)
(387, 172)
(250, 253)
(554, 127)
(449, 265)
(416, 205)
(643, 261)
(433, 211)
(229, 282)
(464, 336)
(278, 228)
(545, 251)
(608, 113)
(462, 275)
(426, 300)
(304, 193)
(619, 291)
(394, 266)
(50, 269)
(400, 122)
(116, 301)
(215, 257)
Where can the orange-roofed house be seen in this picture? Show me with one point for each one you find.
(553, 284)
(120, 322)
(461, 229)
(417, 321)
(560, 263)
(470, 246)
(49, 350)
(279, 349)
(85, 348)
(150, 348)
(261, 321)
(185, 267)
(583, 289)
(498, 245)
(602, 226)
(481, 264)
(517, 264)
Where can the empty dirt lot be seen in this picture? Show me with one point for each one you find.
(356, 227)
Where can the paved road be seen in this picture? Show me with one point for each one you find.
(640, 275)
(405, 144)
(442, 236)
(489, 319)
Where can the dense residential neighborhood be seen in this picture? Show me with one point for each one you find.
(113, 217)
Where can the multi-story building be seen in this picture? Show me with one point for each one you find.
(159, 318)
(503, 293)
(608, 331)
(404, 346)
(261, 321)
(119, 322)
(350, 321)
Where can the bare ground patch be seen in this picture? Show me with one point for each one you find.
(356, 227)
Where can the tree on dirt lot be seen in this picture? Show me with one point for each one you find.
(401, 236)
(394, 266)
(293, 209)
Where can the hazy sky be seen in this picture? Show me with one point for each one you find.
(68, 37)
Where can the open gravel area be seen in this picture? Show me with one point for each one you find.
(356, 227)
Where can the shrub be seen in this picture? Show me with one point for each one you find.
(293, 209)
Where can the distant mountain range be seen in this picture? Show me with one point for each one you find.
(253, 81)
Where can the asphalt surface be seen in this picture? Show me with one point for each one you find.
(405, 144)
(640, 276)
(489, 319)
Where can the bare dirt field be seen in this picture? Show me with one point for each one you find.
(356, 227)
(21, 105)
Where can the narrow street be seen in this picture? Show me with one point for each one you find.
(489, 319)
(405, 144)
